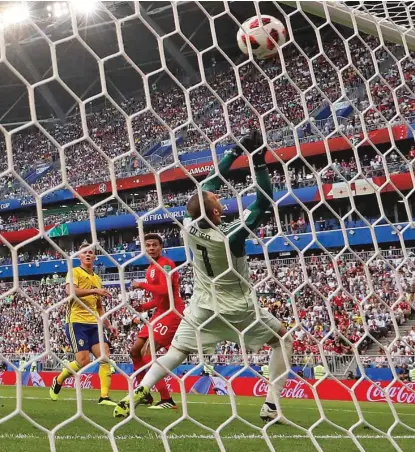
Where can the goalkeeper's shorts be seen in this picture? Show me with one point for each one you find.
(82, 336)
(255, 332)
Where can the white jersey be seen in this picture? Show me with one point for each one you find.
(221, 277)
(230, 293)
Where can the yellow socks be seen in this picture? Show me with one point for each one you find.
(74, 365)
(104, 375)
(105, 378)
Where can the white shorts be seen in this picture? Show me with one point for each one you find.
(255, 332)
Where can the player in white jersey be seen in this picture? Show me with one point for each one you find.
(221, 285)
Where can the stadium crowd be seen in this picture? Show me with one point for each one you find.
(84, 164)
(353, 310)
(342, 170)
(323, 305)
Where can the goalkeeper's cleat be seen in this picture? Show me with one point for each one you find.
(167, 404)
(122, 409)
(141, 396)
(269, 413)
(106, 401)
(55, 389)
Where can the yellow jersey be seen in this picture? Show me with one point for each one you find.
(75, 312)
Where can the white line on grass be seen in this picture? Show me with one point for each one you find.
(192, 436)
(225, 403)
(308, 408)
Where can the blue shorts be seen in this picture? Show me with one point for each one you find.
(82, 336)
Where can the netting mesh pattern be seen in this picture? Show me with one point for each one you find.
(208, 107)
(398, 13)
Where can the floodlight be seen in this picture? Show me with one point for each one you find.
(15, 14)
(84, 6)
(60, 9)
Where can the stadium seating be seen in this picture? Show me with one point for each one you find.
(21, 329)
(346, 169)
(107, 127)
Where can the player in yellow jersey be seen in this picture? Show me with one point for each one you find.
(82, 325)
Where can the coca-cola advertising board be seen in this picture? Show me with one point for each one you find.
(365, 391)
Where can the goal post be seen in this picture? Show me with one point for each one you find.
(373, 18)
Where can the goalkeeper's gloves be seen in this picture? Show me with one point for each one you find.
(251, 143)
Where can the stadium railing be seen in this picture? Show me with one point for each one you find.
(128, 276)
(339, 364)
(346, 257)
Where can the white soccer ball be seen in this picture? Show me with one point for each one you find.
(259, 36)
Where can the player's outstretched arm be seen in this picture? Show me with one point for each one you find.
(147, 306)
(255, 213)
(249, 142)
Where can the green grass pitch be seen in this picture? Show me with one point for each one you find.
(18, 435)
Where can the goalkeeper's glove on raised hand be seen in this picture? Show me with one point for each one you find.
(251, 143)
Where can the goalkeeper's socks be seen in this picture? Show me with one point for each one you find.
(277, 368)
(172, 359)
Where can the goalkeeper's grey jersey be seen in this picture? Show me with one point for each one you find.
(229, 293)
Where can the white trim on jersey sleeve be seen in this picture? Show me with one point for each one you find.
(246, 213)
(187, 221)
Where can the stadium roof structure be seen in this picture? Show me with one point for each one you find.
(28, 49)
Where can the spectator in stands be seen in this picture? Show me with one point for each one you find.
(301, 224)
(294, 227)
(321, 224)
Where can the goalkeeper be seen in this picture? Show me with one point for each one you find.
(230, 294)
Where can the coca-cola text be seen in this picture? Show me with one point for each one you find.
(399, 393)
(293, 389)
(85, 381)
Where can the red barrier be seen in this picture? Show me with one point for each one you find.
(307, 150)
(23, 234)
(294, 389)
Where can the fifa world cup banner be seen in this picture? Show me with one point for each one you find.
(364, 391)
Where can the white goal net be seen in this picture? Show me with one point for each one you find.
(106, 99)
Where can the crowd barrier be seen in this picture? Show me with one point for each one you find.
(364, 391)
(225, 371)
(375, 374)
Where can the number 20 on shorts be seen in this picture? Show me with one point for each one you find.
(161, 329)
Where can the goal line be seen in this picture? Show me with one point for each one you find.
(172, 436)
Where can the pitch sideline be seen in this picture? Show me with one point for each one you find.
(219, 403)
(24, 436)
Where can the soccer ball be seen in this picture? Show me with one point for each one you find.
(259, 36)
